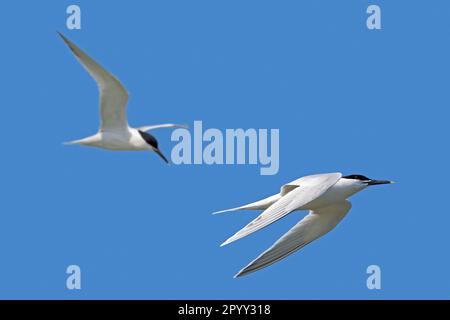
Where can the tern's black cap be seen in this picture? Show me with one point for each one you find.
(151, 140)
(356, 177)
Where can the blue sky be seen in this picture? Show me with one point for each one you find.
(344, 98)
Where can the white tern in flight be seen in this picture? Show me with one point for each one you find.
(114, 132)
(324, 195)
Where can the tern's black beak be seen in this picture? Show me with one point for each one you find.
(161, 155)
(374, 182)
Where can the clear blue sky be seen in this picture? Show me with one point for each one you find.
(344, 98)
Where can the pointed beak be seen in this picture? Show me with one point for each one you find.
(374, 182)
(161, 155)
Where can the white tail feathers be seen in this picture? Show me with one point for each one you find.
(258, 205)
(68, 143)
(88, 141)
(228, 210)
(71, 142)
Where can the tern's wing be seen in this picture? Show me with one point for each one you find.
(113, 95)
(166, 125)
(313, 226)
(311, 188)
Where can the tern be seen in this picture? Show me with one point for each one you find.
(324, 195)
(114, 132)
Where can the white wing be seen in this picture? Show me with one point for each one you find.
(313, 226)
(166, 125)
(113, 95)
(311, 188)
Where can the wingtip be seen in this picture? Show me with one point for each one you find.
(62, 36)
(225, 243)
(70, 44)
(241, 273)
(228, 241)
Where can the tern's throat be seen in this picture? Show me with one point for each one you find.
(346, 188)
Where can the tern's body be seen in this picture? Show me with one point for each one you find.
(342, 190)
(324, 195)
(129, 139)
(114, 132)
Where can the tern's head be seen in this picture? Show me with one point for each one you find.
(153, 143)
(363, 180)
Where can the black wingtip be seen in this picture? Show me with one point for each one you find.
(66, 41)
(61, 35)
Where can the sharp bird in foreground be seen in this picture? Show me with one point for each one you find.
(114, 132)
(324, 195)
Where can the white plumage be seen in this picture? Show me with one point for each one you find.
(324, 195)
(114, 132)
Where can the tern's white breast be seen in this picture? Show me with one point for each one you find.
(126, 140)
(343, 189)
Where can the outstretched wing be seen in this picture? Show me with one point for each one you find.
(311, 188)
(159, 126)
(314, 225)
(113, 95)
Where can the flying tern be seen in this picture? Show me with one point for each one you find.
(324, 195)
(114, 132)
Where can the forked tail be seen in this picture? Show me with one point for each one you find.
(258, 205)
